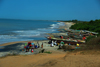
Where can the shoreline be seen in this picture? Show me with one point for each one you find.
(57, 58)
(17, 48)
(29, 33)
(10, 43)
(61, 27)
(6, 48)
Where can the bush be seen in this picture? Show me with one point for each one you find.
(89, 38)
(48, 52)
(91, 44)
(94, 43)
(91, 26)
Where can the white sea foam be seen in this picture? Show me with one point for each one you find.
(57, 25)
(25, 35)
(6, 37)
(13, 40)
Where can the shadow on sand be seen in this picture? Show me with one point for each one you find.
(15, 47)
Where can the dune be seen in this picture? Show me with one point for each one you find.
(56, 59)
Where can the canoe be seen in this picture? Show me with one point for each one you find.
(72, 42)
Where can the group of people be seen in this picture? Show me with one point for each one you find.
(61, 44)
(53, 43)
(32, 46)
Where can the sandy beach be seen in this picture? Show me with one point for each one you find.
(66, 26)
(57, 58)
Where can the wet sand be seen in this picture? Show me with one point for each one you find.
(18, 48)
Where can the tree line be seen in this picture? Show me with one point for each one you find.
(91, 25)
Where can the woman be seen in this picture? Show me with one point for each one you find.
(52, 44)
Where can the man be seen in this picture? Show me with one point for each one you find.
(42, 45)
(55, 43)
(38, 45)
(61, 44)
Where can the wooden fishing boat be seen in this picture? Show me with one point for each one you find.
(72, 42)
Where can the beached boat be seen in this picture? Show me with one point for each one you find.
(84, 32)
(73, 37)
(72, 42)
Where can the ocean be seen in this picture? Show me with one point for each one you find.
(26, 30)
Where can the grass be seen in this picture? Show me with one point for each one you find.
(48, 52)
(82, 52)
(9, 55)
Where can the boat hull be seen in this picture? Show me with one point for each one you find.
(71, 42)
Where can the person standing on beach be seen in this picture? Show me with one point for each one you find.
(61, 37)
(32, 47)
(55, 43)
(25, 45)
(38, 45)
(42, 45)
(28, 46)
(52, 44)
(61, 44)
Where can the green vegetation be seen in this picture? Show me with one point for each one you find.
(92, 42)
(89, 38)
(48, 52)
(75, 21)
(12, 54)
(91, 26)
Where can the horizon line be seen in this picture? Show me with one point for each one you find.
(39, 20)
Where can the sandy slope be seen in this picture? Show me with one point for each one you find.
(56, 59)
(51, 60)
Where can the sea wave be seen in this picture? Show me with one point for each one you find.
(25, 35)
(57, 25)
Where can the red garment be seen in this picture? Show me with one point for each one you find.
(61, 37)
(29, 43)
(49, 37)
(84, 38)
(32, 50)
(25, 47)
